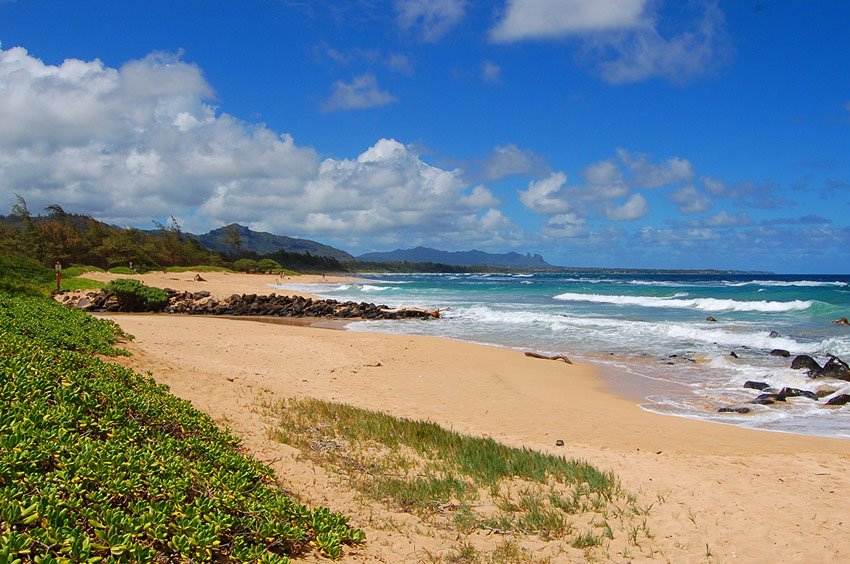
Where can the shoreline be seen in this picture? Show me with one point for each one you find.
(732, 489)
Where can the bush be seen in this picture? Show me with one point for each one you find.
(269, 265)
(135, 296)
(245, 265)
(79, 269)
(121, 270)
(100, 463)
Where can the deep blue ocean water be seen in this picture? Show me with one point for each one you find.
(653, 326)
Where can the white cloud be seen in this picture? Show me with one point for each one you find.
(490, 71)
(651, 175)
(546, 19)
(361, 93)
(621, 38)
(509, 160)
(634, 208)
(546, 196)
(690, 200)
(645, 53)
(604, 181)
(725, 219)
(564, 225)
(147, 151)
(431, 19)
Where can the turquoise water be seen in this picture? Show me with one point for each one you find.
(646, 325)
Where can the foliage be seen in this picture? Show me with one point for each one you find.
(100, 463)
(268, 265)
(197, 268)
(245, 265)
(77, 270)
(420, 467)
(122, 270)
(135, 296)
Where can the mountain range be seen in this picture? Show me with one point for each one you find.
(235, 238)
(463, 258)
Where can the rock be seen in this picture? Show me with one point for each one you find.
(559, 442)
(797, 393)
(824, 392)
(780, 352)
(736, 409)
(804, 361)
(84, 303)
(767, 399)
(733, 354)
(774, 334)
(750, 384)
(834, 368)
(842, 321)
(840, 399)
(711, 318)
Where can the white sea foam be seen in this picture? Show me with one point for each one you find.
(782, 283)
(703, 304)
(371, 288)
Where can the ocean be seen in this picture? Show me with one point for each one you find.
(647, 326)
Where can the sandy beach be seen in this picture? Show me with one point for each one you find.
(712, 492)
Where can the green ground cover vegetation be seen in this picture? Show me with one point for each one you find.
(100, 463)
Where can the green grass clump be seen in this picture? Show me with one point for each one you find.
(98, 462)
(198, 268)
(135, 296)
(20, 275)
(121, 270)
(77, 270)
(420, 467)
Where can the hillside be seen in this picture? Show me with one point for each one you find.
(465, 258)
(235, 239)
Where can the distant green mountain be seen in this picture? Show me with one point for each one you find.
(464, 258)
(235, 238)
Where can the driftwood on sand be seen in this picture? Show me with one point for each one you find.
(545, 357)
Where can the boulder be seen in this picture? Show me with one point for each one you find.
(804, 361)
(797, 393)
(736, 409)
(840, 399)
(750, 384)
(711, 318)
(774, 334)
(780, 352)
(733, 354)
(834, 368)
(767, 399)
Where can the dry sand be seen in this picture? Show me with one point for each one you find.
(715, 493)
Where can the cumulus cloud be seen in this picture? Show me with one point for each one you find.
(141, 142)
(360, 57)
(653, 175)
(361, 93)
(690, 200)
(621, 38)
(546, 19)
(546, 196)
(430, 19)
(564, 225)
(634, 208)
(509, 160)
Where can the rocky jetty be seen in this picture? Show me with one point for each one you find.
(272, 305)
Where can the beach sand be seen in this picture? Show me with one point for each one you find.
(713, 492)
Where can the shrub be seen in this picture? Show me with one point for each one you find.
(269, 265)
(121, 270)
(135, 296)
(245, 265)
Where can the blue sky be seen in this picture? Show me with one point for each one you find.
(643, 133)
